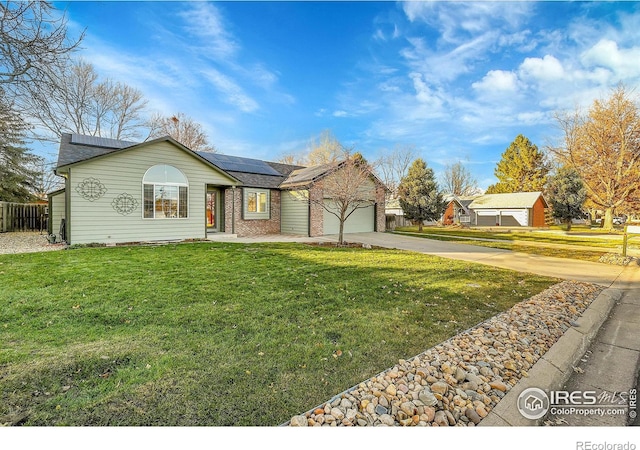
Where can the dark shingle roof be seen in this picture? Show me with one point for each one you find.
(75, 148)
(250, 172)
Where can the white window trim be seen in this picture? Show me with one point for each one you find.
(262, 215)
(168, 184)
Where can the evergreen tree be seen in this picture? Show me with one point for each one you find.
(16, 177)
(567, 195)
(418, 194)
(521, 169)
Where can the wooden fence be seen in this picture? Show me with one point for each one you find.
(23, 216)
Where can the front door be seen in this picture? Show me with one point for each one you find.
(213, 210)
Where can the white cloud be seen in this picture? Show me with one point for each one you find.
(233, 93)
(204, 21)
(456, 21)
(446, 65)
(500, 81)
(624, 63)
(542, 69)
(424, 94)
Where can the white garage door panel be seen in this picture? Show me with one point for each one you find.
(360, 221)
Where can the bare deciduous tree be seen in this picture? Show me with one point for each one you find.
(293, 159)
(457, 180)
(33, 44)
(80, 103)
(348, 186)
(325, 149)
(45, 181)
(604, 147)
(181, 128)
(392, 167)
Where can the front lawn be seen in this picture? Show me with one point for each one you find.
(221, 334)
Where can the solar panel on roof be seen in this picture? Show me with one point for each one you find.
(239, 164)
(96, 141)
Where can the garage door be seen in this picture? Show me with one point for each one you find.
(487, 218)
(360, 221)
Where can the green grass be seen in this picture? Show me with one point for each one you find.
(221, 334)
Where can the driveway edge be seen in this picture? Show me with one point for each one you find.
(555, 367)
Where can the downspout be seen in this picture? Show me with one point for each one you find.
(67, 207)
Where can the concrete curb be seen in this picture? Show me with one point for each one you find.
(555, 367)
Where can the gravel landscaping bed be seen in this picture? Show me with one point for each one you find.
(26, 242)
(458, 382)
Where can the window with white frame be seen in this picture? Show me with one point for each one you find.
(256, 203)
(165, 193)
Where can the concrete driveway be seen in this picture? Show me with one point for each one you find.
(603, 274)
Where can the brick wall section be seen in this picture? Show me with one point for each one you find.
(381, 219)
(316, 211)
(272, 226)
(250, 227)
(228, 208)
(538, 213)
(447, 217)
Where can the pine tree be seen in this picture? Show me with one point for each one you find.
(521, 169)
(15, 175)
(567, 195)
(418, 194)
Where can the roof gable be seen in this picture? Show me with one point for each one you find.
(76, 149)
(304, 177)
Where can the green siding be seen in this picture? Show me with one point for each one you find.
(294, 213)
(57, 211)
(122, 172)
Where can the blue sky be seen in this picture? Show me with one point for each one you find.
(459, 81)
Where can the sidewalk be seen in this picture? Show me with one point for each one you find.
(610, 365)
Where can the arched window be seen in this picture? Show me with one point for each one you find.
(165, 191)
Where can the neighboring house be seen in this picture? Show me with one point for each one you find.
(457, 210)
(119, 192)
(525, 209)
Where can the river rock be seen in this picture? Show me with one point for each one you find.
(440, 387)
